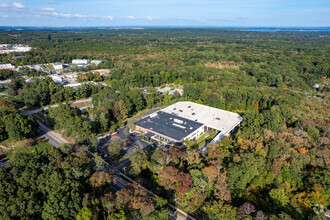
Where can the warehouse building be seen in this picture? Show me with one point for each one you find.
(188, 120)
(169, 128)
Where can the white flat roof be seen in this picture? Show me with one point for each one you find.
(218, 119)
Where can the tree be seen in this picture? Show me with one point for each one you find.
(239, 175)
(218, 210)
(85, 214)
(159, 159)
(19, 126)
(245, 210)
(100, 179)
(115, 147)
(211, 173)
(192, 157)
(168, 178)
(279, 197)
(139, 161)
(122, 109)
(131, 126)
(99, 162)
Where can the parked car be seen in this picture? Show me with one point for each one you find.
(114, 134)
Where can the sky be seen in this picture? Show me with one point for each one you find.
(221, 13)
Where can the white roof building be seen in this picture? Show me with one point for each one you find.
(212, 118)
(58, 66)
(81, 61)
(56, 79)
(7, 66)
(79, 84)
(169, 90)
(15, 48)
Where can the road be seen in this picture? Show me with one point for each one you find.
(51, 136)
(30, 112)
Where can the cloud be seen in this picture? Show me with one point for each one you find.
(52, 3)
(149, 18)
(47, 9)
(131, 17)
(109, 17)
(3, 5)
(64, 15)
(4, 16)
(18, 5)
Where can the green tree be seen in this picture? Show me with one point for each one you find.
(85, 214)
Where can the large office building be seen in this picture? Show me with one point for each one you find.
(188, 120)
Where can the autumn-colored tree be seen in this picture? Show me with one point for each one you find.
(211, 173)
(167, 178)
(192, 157)
(100, 179)
(184, 182)
(176, 154)
(221, 191)
(122, 198)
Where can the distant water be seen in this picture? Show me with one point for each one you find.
(283, 29)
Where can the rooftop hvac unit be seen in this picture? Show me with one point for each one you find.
(153, 115)
(178, 121)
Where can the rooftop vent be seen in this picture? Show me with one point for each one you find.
(217, 119)
(153, 115)
(178, 121)
(179, 126)
(189, 106)
(193, 113)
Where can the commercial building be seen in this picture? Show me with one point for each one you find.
(58, 66)
(7, 48)
(56, 79)
(7, 66)
(169, 128)
(195, 119)
(80, 61)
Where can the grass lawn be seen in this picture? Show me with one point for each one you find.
(81, 104)
(35, 149)
(201, 140)
(50, 67)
